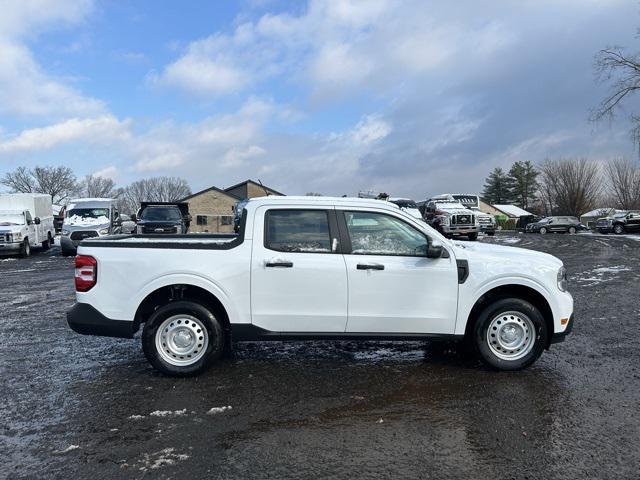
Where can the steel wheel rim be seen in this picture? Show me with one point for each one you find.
(617, 229)
(182, 340)
(511, 335)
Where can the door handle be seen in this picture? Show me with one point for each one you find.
(370, 266)
(279, 264)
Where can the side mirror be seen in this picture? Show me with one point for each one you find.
(435, 249)
(37, 220)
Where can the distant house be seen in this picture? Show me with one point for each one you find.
(511, 211)
(212, 209)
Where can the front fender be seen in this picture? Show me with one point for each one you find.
(469, 296)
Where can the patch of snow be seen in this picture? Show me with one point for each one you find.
(216, 410)
(78, 220)
(70, 448)
(8, 260)
(615, 269)
(507, 239)
(162, 458)
(166, 413)
(135, 417)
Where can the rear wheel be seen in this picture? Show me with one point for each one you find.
(572, 230)
(25, 249)
(618, 229)
(473, 236)
(543, 230)
(510, 334)
(182, 338)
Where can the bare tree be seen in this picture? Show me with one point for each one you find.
(614, 66)
(155, 189)
(98, 187)
(623, 178)
(19, 181)
(570, 186)
(59, 182)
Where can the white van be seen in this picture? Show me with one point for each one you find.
(26, 220)
(87, 218)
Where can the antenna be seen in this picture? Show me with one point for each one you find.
(263, 187)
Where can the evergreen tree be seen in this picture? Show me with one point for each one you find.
(497, 188)
(523, 179)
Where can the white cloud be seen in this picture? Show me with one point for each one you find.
(370, 129)
(107, 172)
(104, 129)
(25, 89)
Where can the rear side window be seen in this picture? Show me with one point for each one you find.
(297, 231)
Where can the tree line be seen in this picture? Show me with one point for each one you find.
(62, 185)
(566, 186)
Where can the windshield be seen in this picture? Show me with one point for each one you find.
(87, 216)
(620, 215)
(7, 219)
(405, 203)
(159, 214)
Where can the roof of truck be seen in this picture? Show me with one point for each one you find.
(311, 200)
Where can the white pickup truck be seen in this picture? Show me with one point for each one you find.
(318, 268)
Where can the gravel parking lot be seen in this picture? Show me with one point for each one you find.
(85, 407)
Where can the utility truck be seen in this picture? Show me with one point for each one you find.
(26, 221)
(304, 268)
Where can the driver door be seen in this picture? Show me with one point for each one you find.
(393, 286)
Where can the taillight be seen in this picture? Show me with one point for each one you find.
(86, 273)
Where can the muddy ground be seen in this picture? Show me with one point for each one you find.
(73, 406)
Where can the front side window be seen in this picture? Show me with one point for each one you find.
(298, 231)
(379, 234)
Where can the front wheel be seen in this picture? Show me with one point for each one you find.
(25, 249)
(543, 231)
(510, 334)
(473, 236)
(182, 338)
(572, 230)
(618, 229)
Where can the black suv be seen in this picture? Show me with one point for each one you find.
(556, 224)
(163, 218)
(620, 222)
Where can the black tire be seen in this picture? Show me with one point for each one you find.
(25, 249)
(618, 229)
(493, 311)
(543, 230)
(46, 245)
(473, 236)
(213, 351)
(491, 234)
(572, 230)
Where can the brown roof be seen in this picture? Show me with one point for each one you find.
(207, 190)
(232, 187)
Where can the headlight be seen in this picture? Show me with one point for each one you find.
(65, 232)
(562, 279)
(104, 231)
(444, 220)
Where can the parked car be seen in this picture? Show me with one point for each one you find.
(621, 222)
(88, 218)
(307, 268)
(163, 218)
(407, 205)
(556, 225)
(450, 217)
(26, 221)
(523, 222)
(128, 224)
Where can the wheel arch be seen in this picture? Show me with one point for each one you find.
(181, 290)
(523, 292)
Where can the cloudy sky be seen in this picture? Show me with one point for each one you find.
(332, 96)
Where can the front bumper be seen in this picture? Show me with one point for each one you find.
(487, 228)
(560, 336)
(459, 230)
(604, 228)
(85, 319)
(10, 247)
